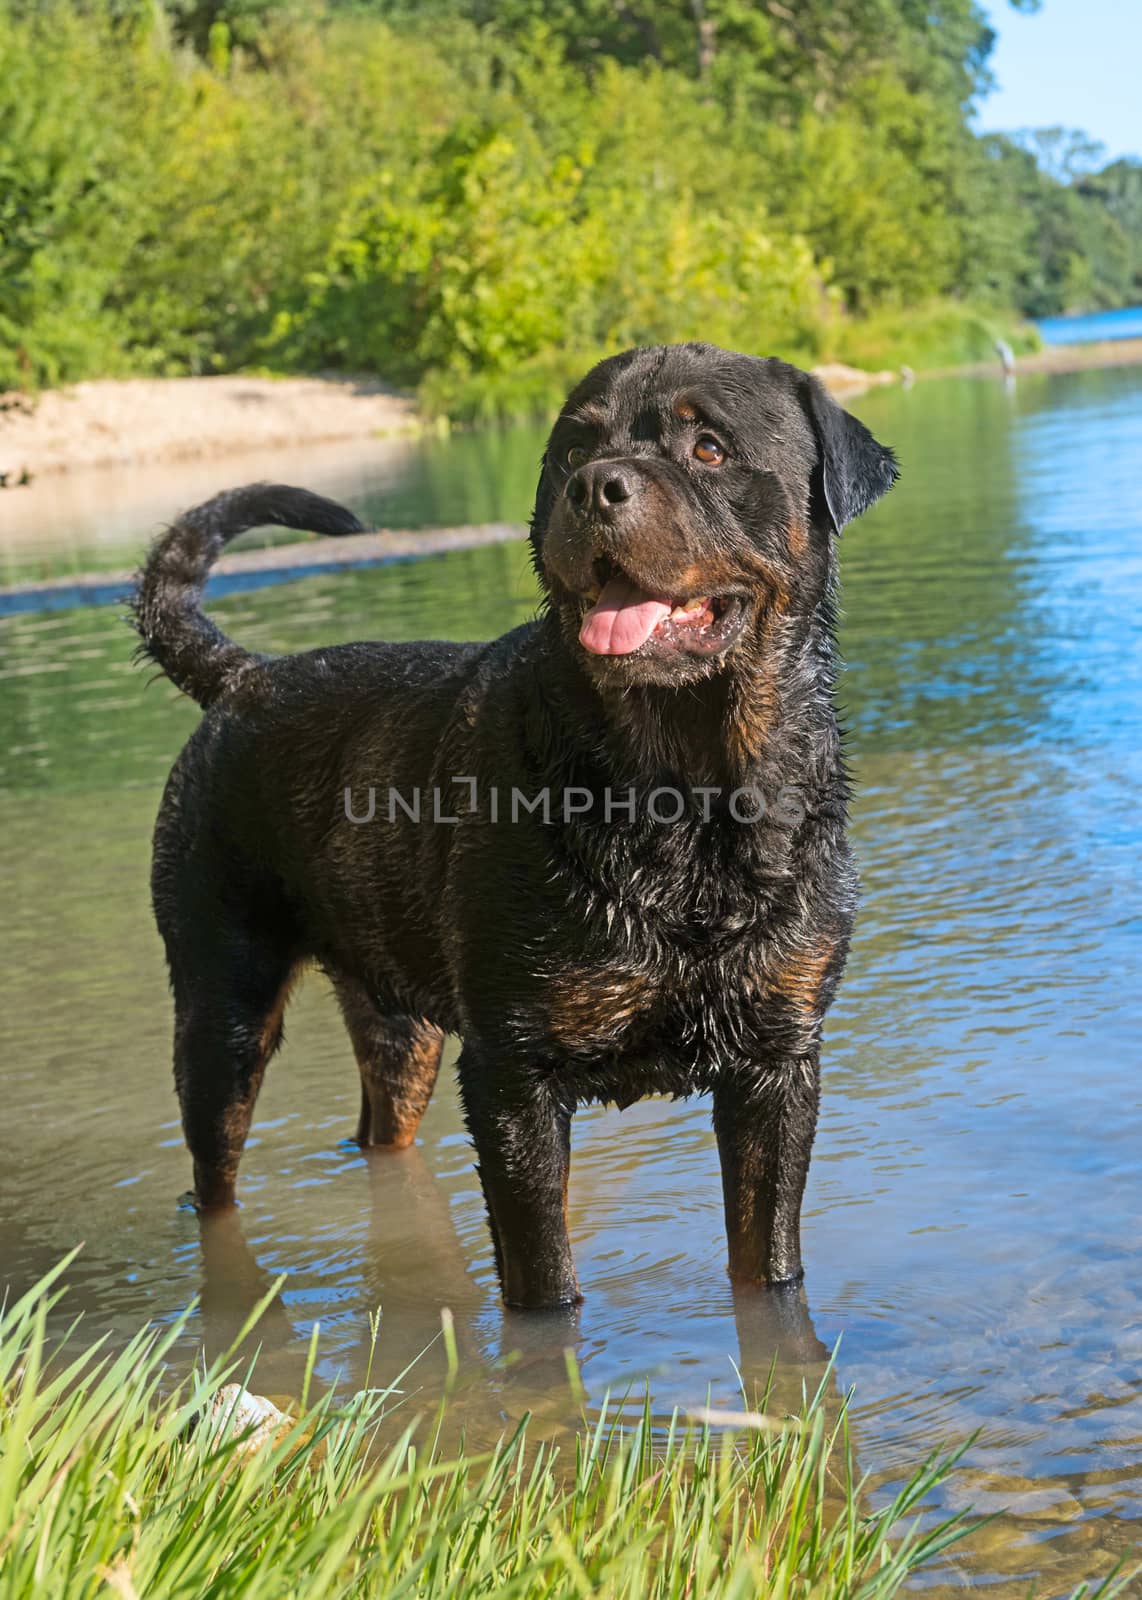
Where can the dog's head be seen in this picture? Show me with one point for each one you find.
(688, 492)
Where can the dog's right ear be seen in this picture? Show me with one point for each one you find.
(544, 496)
(544, 504)
(853, 469)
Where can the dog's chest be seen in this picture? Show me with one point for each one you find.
(674, 999)
(689, 987)
(677, 962)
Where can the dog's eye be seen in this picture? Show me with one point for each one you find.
(708, 449)
(576, 456)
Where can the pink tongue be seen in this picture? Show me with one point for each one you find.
(622, 619)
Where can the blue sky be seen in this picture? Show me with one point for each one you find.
(1077, 63)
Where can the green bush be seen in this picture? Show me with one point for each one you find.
(75, 128)
(510, 238)
(462, 207)
(937, 334)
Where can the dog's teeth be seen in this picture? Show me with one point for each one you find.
(696, 605)
(678, 613)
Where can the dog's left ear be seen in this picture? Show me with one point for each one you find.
(854, 471)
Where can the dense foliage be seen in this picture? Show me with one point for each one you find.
(475, 195)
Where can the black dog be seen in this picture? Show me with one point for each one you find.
(608, 849)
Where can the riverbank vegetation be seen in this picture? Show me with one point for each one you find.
(477, 199)
(113, 1480)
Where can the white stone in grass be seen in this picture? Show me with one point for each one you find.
(235, 1413)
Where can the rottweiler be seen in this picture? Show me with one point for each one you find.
(608, 850)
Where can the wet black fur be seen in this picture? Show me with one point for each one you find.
(578, 960)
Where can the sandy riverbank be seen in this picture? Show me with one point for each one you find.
(1053, 358)
(167, 419)
(170, 419)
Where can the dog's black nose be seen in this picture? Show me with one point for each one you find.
(600, 486)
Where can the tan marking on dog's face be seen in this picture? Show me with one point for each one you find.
(798, 540)
(590, 414)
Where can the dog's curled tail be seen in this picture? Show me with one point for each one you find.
(166, 602)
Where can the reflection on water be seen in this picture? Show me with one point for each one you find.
(99, 520)
(972, 1218)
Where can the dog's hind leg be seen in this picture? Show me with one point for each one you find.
(228, 1023)
(399, 1058)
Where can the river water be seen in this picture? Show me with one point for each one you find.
(972, 1220)
(1092, 326)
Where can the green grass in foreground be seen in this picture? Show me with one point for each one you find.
(102, 1491)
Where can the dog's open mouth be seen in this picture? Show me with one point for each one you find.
(623, 618)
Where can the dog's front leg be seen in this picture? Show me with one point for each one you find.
(522, 1132)
(765, 1118)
